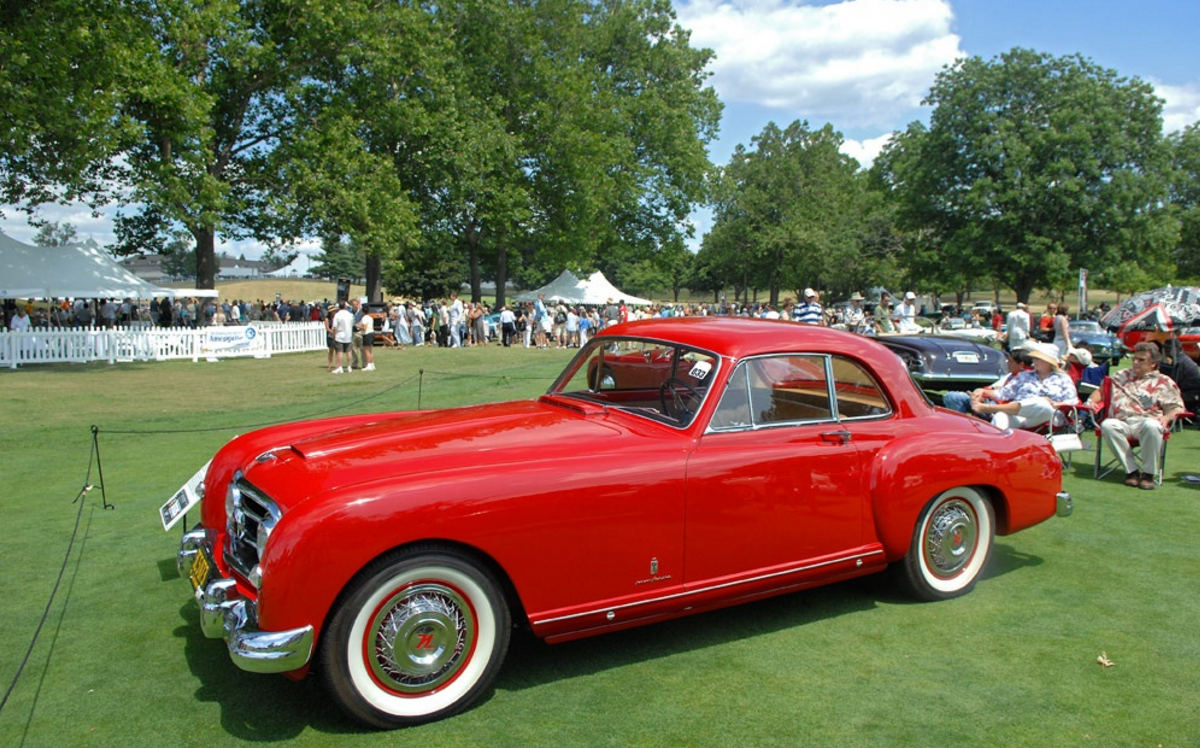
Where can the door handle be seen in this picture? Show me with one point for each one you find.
(836, 437)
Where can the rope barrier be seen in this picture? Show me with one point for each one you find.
(80, 498)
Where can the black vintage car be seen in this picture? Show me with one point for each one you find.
(941, 363)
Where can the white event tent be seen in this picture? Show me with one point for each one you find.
(74, 270)
(596, 290)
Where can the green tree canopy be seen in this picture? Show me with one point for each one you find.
(1033, 166)
(789, 213)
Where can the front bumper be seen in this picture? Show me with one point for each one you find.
(226, 614)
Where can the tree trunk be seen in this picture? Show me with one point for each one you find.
(206, 258)
(475, 279)
(374, 274)
(501, 277)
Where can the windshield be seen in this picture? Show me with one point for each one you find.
(664, 381)
(1084, 326)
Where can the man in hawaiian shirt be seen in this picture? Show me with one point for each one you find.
(1144, 403)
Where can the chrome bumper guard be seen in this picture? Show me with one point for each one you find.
(1065, 505)
(224, 614)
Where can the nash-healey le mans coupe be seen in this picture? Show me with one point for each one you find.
(676, 466)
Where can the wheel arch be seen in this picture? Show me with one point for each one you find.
(896, 506)
(465, 551)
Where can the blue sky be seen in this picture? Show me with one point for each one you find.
(865, 65)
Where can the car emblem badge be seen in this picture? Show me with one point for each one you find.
(653, 566)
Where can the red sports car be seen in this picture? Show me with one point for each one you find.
(719, 460)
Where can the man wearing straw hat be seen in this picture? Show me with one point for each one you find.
(1031, 398)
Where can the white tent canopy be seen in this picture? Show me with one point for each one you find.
(596, 290)
(74, 270)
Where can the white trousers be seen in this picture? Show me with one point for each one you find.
(1148, 432)
(1034, 412)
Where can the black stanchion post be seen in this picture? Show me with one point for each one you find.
(99, 467)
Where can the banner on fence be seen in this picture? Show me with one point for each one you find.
(233, 341)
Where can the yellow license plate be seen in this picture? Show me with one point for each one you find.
(200, 569)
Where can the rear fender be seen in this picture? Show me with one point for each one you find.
(912, 470)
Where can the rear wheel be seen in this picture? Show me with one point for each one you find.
(420, 637)
(951, 545)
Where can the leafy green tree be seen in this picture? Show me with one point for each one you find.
(212, 108)
(1033, 166)
(789, 211)
(64, 65)
(339, 258)
(55, 234)
(581, 123)
(1185, 197)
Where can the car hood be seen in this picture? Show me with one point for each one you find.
(293, 465)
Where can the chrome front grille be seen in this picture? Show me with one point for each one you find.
(250, 515)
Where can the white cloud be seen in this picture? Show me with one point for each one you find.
(865, 151)
(1182, 107)
(857, 63)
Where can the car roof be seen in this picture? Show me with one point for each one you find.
(742, 337)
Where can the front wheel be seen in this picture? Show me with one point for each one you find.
(951, 545)
(420, 637)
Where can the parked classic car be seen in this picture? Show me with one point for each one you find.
(1106, 348)
(392, 554)
(943, 362)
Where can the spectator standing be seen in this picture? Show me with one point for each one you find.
(330, 343)
(572, 328)
(1045, 328)
(343, 334)
(1062, 331)
(365, 337)
(455, 321)
(356, 336)
(540, 316)
(1144, 403)
(809, 313)
(508, 326)
(560, 326)
(1018, 325)
(855, 316)
(905, 315)
(479, 324)
(20, 321)
(612, 314)
(416, 323)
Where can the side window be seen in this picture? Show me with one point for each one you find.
(858, 395)
(788, 389)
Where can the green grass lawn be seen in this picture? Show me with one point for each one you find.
(121, 662)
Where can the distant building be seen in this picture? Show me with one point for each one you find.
(150, 267)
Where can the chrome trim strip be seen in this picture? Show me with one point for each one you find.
(724, 585)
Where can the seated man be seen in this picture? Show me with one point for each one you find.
(1032, 398)
(1016, 362)
(1144, 403)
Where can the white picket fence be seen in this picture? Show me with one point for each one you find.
(146, 343)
